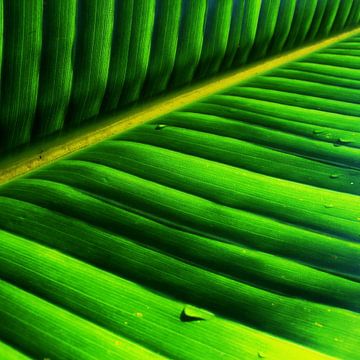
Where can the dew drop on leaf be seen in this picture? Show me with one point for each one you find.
(159, 126)
(192, 313)
(318, 131)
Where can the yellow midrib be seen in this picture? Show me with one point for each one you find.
(53, 149)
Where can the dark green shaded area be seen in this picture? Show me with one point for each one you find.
(163, 48)
(21, 52)
(59, 29)
(65, 63)
(91, 58)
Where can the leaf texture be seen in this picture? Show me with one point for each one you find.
(21, 52)
(243, 205)
(68, 62)
(56, 73)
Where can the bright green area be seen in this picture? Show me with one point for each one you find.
(44, 330)
(123, 307)
(9, 353)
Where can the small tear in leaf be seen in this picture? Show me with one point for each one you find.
(192, 313)
(159, 126)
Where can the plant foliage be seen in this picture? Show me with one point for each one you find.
(228, 229)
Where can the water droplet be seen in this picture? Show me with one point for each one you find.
(351, 183)
(192, 313)
(261, 355)
(159, 126)
(342, 141)
(329, 206)
(345, 141)
(318, 131)
(319, 325)
(334, 176)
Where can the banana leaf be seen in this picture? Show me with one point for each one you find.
(226, 228)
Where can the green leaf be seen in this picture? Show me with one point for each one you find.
(21, 53)
(90, 72)
(56, 73)
(228, 227)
